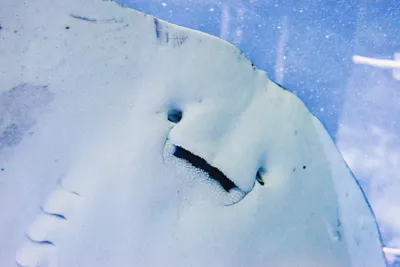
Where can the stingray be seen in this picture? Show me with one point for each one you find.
(129, 141)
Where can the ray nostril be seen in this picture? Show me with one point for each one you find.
(174, 115)
(259, 175)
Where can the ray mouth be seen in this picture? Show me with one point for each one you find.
(200, 163)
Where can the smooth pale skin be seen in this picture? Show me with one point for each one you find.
(92, 179)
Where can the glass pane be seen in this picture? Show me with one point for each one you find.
(341, 58)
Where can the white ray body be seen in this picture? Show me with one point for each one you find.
(85, 91)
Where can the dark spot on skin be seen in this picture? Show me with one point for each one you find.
(304, 167)
(174, 115)
(338, 235)
(157, 28)
(15, 31)
(164, 37)
(294, 169)
(67, 27)
(83, 18)
(200, 163)
(21, 103)
(11, 136)
(179, 40)
(295, 132)
(1, 27)
(2, 169)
